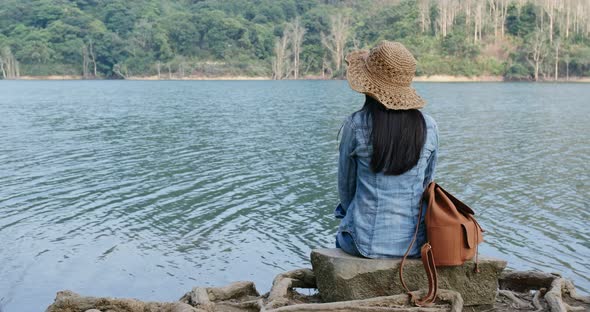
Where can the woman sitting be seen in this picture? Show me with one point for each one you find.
(388, 154)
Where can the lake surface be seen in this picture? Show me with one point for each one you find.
(146, 189)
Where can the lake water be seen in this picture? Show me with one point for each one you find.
(146, 189)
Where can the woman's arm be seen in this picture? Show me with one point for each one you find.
(346, 169)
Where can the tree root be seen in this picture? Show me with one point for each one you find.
(571, 290)
(537, 301)
(517, 303)
(553, 293)
(554, 297)
(281, 291)
(66, 301)
(524, 281)
(281, 294)
(570, 308)
(397, 303)
(206, 297)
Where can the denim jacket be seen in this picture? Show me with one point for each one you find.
(381, 211)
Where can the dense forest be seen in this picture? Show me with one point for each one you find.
(290, 39)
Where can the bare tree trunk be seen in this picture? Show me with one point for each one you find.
(556, 59)
(356, 43)
(478, 22)
(9, 64)
(324, 67)
(2, 68)
(576, 18)
(158, 69)
(567, 18)
(424, 9)
(467, 13)
(279, 63)
(494, 15)
(340, 31)
(503, 17)
(542, 17)
(117, 70)
(536, 56)
(93, 58)
(550, 9)
(85, 62)
(336, 41)
(443, 6)
(297, 33)
(475, 30)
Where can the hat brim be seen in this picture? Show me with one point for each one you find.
(390, 95)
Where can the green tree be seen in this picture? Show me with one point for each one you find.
(215, 37)
(118, 17)
(521, 22)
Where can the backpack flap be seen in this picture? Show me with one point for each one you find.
(469, 234)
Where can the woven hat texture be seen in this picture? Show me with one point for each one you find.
(385, 73)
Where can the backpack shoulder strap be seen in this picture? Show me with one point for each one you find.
(427, 258)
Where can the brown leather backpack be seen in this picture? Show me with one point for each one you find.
(453, 236)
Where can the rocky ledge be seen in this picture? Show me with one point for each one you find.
(353, 284)
(341, 277)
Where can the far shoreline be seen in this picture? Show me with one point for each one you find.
(432, 78)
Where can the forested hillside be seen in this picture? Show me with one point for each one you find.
(283, 39)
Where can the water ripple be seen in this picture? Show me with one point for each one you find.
(146, 189)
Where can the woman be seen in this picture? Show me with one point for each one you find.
(388, 154)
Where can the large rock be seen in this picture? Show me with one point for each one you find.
(342, 277)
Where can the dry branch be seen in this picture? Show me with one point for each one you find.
(517, 302)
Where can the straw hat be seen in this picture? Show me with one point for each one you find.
(385, 73)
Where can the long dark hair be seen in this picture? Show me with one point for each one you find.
(397, 137)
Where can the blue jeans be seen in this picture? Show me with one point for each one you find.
(345, 242)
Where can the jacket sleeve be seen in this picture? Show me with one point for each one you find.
(346, 169)
(431, 168)
(432, 160)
